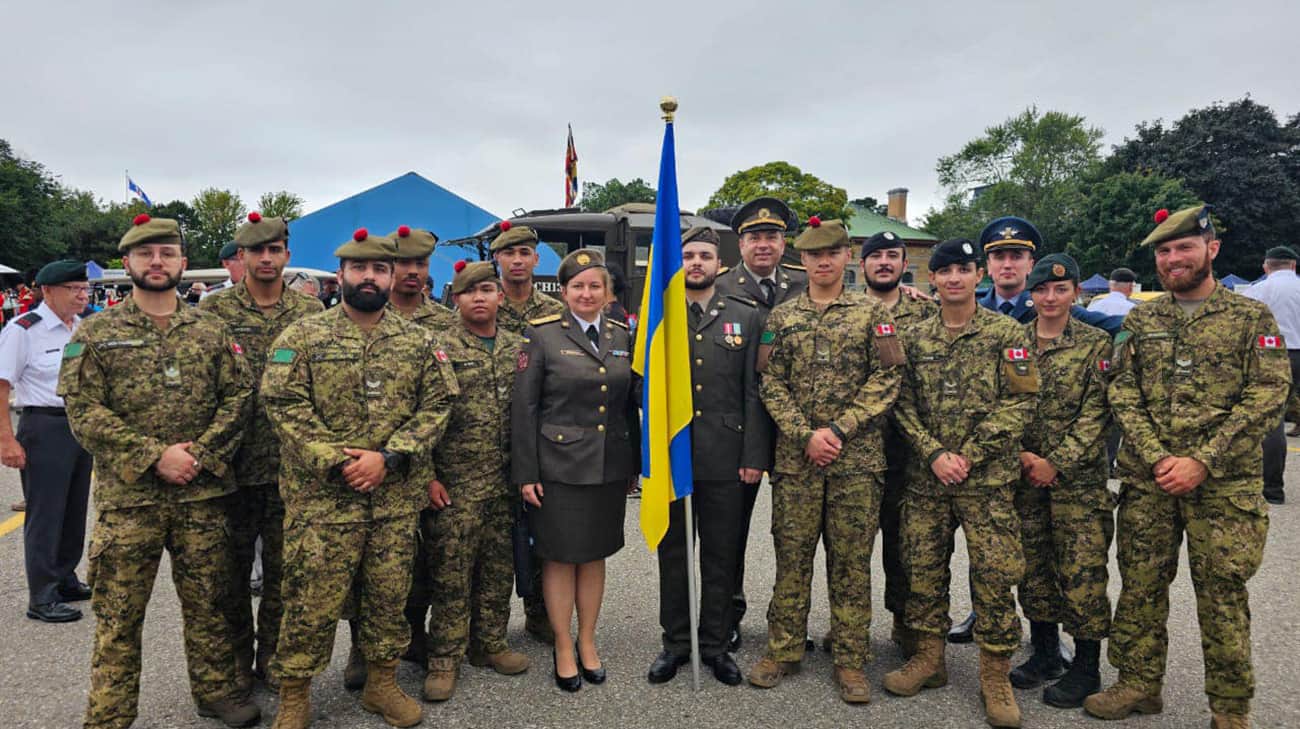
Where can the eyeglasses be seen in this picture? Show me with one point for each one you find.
(80, 290)
(144, 254)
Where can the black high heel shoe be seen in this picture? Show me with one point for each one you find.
(596, 676)
(568, 683)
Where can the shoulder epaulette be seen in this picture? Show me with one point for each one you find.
(742, 299)
(27, 320)
(793, 267)
(544, 320)
(723, 270)
(618, 323)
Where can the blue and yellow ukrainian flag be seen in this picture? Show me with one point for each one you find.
(664, 362)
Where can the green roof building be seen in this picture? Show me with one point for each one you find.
(865, 223)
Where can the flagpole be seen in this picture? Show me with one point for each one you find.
(692, 594)
(128, 185)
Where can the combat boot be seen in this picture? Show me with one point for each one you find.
(925, 669)
(768, 672)
(295, 704)
(1000, 707)
(539, 626)
(383, 696)
(354, 674)
(1118, 701)
(234, 710)
(854, 688)
(1230, 721)
(506, 662)
(1081, 681)
(440, 681)
(903, 637)
(1046, 663)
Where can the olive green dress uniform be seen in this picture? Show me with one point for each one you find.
(790, 281)
(836, 366)
(132, 389)
(1208, 385)
(970, 394)
(257, 510)
(330, 385)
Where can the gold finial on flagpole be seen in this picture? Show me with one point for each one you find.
(669, 106)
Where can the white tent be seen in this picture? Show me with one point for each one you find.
(6, 269)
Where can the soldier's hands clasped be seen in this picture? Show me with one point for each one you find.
(1177, 475)
(823, 447)
(177, 465)
(950, 468)
(366, 470)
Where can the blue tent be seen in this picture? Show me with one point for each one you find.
(407, 200)
(1232, 281)
(1096, 283)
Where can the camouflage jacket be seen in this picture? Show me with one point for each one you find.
(331, 385)
(539, 305)
(1069, 424)
(132, 389)
(907, 313)
(476, 449)
(258, 459)
(431, 315)
(839, 367)
(1209, 386)
(971, 395)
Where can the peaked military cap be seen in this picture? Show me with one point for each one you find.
(956, 250)
(1188, 221)
(513, 235)
(1281, 253)
(763, 213)
(1123, 275)
(366, 247)
(881, 241)
(1009, 233)
(1054, 267)
(228, 251)
(145, 229)
(413, 242)
(469, 275)
(577, 262)
(821, 234)
(258, 231)
(58, 272)
(701, 233)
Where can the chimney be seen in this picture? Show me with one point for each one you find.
(898, 204)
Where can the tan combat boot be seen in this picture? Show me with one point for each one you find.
(768, 672)
(354, 674)
(925, 669)
(1000, 707)
(1118, 701)
(383, 696)
(440, 681)
(506, 662)
(295, 704)
(903, 637)
(854, 688)
(1230, 721)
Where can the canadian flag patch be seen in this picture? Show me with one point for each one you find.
(1103, 365)
(234, 347)
(441, 355)
(1270, 342)
(1016, 354)
(884, 330)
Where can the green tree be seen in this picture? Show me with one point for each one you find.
(29, 205)
(216, 215)
(871, 204)
(806, 194)
(281, 204)
(598, 197)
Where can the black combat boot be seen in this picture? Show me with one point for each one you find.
(1081, 681)
(1045, 664)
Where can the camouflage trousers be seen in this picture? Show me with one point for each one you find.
(997, 563)
(125, 549)
(1065, 534)
(321, 564)
(844, 512)
(1225, 545)
(469, 543)
(255, 511)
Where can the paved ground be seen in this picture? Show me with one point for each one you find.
(46, 667)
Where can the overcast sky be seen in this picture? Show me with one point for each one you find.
(328, 98)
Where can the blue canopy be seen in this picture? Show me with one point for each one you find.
(1232, 281)
(94, 270)
(1096, 283)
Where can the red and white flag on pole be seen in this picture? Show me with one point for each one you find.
(570, 172)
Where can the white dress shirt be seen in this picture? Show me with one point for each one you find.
(30, 358)
(583, 323)
(1281, 292)
(1113, 304)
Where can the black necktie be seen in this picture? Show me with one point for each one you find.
(1006, 307)
(769, 289)
(594, 336)
(697, 313)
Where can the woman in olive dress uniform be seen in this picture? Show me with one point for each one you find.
(575, 454)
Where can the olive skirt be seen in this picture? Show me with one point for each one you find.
(578, 524)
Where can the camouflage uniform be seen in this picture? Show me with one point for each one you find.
(330, 385)
(839, 366)
(257, 511)
(969, 394)
(515, 318)
(1209, 386)
(469, 540)
(433, 316)
(132, 389)
(1066, 529)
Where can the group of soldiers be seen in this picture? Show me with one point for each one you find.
(367, 447)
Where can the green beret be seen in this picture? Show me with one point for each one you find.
(413, 242)
(763, 213)
(513, 235)
(1188, 221)
(821, 234)
(59, 272)
(577, 262)
(469, 275)
(258, 231)
(1054, 267)
(881, 241)
(1281, 253)
(145, 229)
(228, 251)
(366, 247)
(701, 233)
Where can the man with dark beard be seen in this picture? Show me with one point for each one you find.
(1200, 376)
(731, 441)
(158, 393)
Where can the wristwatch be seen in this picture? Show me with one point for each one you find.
(394, 462)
